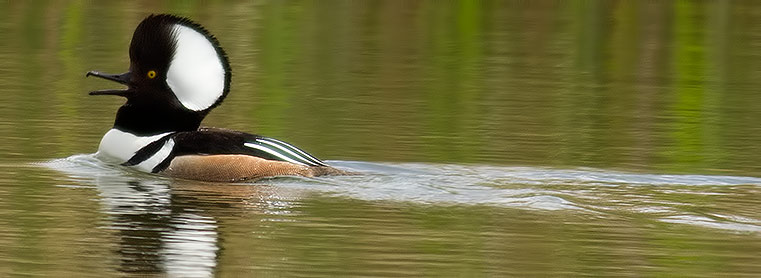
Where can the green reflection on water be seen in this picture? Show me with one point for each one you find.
(631, 85)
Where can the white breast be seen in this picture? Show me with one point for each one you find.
(118, 146)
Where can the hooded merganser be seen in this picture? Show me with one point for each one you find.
(177, 74)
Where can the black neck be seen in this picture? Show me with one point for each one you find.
(149, 119)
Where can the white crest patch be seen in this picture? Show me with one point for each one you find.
(196, 74)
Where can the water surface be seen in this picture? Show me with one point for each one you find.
(495, 138)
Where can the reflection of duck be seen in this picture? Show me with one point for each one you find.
(156, 232)
(172, 227)
(177, 74)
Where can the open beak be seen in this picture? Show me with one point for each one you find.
(121, 78)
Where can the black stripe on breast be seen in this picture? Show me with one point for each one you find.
(146, 152)
(164, 164)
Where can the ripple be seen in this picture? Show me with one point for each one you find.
(712, 223)
(664, 198)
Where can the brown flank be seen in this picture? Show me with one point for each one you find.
(231, 168)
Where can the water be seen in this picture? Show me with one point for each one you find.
(494, 138)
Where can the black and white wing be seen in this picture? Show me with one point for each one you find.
(278, 150)
(216, 141)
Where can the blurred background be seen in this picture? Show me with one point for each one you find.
(657, 86)
(499, 138)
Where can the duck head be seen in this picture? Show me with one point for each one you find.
(178, 73)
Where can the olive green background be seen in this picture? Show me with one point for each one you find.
(645, 87)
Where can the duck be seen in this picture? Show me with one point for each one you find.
(178, 73)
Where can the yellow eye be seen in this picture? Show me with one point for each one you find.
(151, 74)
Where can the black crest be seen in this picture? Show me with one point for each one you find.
(152, 107)
(153, 46)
